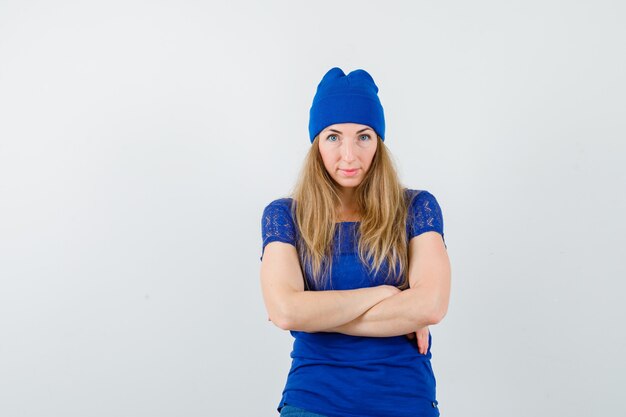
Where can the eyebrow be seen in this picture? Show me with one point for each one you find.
(337, 131)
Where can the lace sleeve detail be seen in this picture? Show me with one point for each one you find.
(425, 215)
(277, 224)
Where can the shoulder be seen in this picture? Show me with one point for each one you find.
(418, 196)
(278, 210)
(422, 203)
(424, 213)
(283, 203)
(277, 223)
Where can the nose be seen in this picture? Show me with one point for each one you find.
(347, 151)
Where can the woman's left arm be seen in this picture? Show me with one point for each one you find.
(424, 303)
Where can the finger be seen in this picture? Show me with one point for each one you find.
(420, 344)
(422, 340)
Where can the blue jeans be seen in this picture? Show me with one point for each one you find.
(293, 411)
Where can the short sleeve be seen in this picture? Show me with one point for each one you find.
(424, 215)
(277, 224)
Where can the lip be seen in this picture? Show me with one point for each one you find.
(349, 172)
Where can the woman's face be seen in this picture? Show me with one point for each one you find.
(347, 150)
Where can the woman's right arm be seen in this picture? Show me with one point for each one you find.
(292, 308)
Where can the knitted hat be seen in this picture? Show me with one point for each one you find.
(342, 98)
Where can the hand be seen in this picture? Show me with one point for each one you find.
(422, 339)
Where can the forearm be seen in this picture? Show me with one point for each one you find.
(398, 315)
(314, 311)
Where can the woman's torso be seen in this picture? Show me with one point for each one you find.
(340, 375)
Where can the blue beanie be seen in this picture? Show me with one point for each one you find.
(342, 98)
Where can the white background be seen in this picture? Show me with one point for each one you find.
(140, 142)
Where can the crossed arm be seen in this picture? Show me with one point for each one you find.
(377, 311)
(397, 315)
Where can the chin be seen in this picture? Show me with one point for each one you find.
(349, 184)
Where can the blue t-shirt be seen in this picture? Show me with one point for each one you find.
(340, 375)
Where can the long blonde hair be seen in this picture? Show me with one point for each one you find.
(381, 201)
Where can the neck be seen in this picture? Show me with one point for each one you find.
(348, 210)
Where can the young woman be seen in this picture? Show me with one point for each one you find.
(355, 266)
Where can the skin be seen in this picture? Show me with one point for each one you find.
(353, 146)
(347, 146)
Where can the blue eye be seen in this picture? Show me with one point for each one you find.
(330, 136)
(366, 136)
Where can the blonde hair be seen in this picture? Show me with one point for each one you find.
(381, 201)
